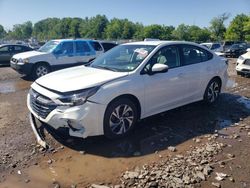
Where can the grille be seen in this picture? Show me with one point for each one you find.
(40, 104)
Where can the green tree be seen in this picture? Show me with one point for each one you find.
(21, 31)
(237, 28)
(198, 34)
(114, 29)
(153, 31)
(182, 32)
(247, 29)
(167, 32)
(74, 29)
(128, 29)
(95, 27)
(138, 34)
(47, 29)
(2, 32)
(217, 27)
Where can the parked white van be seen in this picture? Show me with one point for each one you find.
(56, 54)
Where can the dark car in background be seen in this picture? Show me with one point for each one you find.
(107, 45)
(236, 50)
(8, 50)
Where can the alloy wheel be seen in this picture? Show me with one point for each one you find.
(121, 119)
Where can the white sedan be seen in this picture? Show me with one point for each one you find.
(130, 82)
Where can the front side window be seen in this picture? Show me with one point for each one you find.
(123, 58)
(82, 46)
(18, 49)
(192, 55)
(67, 48)
(168, 55)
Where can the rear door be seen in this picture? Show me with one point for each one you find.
(197, 70)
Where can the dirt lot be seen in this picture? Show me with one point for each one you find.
(74, 162)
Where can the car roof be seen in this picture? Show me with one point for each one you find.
(60, 40)
(13, 45)
(161, 42)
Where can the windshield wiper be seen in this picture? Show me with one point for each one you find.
(106, 68)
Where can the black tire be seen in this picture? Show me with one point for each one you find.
(39, 70)
(238, 73)
(212, 91)
(122, 113)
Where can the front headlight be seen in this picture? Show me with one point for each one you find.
(22, 61)
(76, 98)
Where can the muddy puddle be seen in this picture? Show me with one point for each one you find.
(13, 86)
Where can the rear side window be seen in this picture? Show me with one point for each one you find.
(82, 46)
(96, 45)
(18, 49)
(193, 54)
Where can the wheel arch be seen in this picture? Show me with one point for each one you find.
(131, 97)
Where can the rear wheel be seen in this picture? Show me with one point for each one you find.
(40, 70)
(212, 91)
(120, 118)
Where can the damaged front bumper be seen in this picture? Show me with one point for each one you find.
(81, 121)
(40, 139)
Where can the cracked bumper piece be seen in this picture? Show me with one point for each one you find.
(82, 121)
(39, 137)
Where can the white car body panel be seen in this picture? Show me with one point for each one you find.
(240, 64)
(77, 78)
(155, 93)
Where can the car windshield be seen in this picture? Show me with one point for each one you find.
(49, 46)
(235, 46)
(207, 45)
(123, 58)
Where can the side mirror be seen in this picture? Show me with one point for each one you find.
(159, 68)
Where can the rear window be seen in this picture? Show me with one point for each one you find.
(107, 46)
(96, 45)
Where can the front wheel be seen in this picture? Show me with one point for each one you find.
(40, 70)
(120, 118)
(212, 91)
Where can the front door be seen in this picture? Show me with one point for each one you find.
(164, 91)
(66, 55)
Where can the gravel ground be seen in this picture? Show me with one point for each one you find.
(192, 146)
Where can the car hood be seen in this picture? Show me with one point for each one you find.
(29, 54)
(77, 78)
